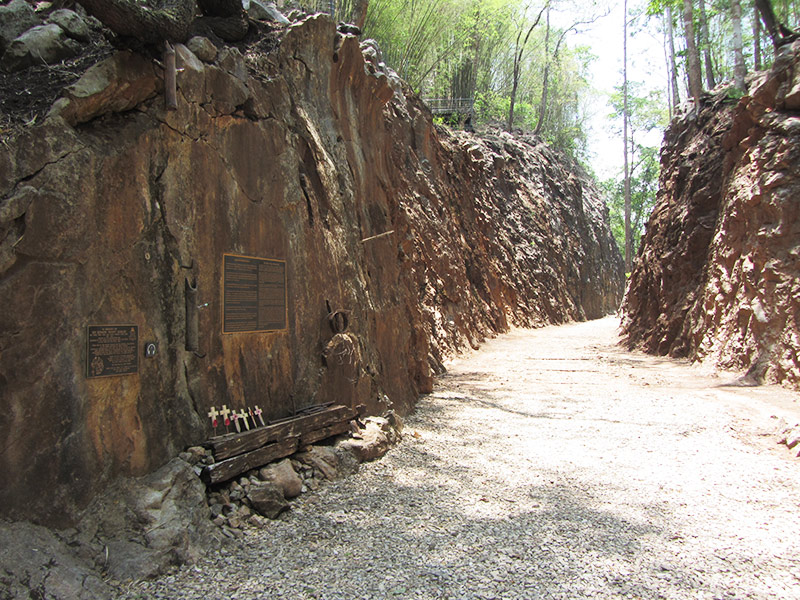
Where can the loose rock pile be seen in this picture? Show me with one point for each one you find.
(145, 525)
(29, 38)
(264, 493)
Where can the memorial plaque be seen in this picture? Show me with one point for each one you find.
(253, 294)
(112, 350)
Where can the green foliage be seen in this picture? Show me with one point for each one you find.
(464, 49)
(647, 112)
(644, 185)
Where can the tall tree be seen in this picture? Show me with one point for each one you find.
(739, 69)
(779, 33)
(673, 70)
(627, 173)
(546, 74)
(693, 71)
(519, 50)
(756, 40)
(552, 58)
(706, 45)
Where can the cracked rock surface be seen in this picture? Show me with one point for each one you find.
(548, 464)
(717, 277)
(304, 152)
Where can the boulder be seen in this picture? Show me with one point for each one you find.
(284, 476)
(322, 458)
(72, 24)
(116, 84)
(266, 11)
(46, 44)
(202, 48)
(35, 563)
(374, 442)
(267, 500)
(150, 523)
(16, 18)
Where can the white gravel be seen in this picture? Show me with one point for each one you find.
(548, 464)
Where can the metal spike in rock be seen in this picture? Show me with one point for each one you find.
(225, 412)
(258, 412)
(213, 414)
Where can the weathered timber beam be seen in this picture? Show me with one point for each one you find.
(228, 469)
(325, 432)
(237, 443)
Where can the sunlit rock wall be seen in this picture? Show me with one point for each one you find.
(718, 276)
(113, 204)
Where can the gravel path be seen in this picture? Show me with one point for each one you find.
(548, 464)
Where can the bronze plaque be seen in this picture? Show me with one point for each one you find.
(253, 294)
(112, 350)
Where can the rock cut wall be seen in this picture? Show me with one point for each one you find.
(115, 211)
(718, 275)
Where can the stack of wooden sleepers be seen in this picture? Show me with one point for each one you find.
(237, 453)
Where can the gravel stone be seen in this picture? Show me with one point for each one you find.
(550, 464)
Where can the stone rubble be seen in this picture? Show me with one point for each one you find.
(264, 493)
(142, 527)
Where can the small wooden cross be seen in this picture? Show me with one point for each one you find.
(235, 417)
(225, 412)
(213, 414)
(243, 417)
(258, 412)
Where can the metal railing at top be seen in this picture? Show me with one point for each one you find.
(450, 106)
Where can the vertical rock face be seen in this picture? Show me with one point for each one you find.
(718, 276)
(118, 212)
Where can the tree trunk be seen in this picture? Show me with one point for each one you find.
(514, 84)
(171, 21)
(519, 49)
(359, 17)
(545, 76)
(627, 174)
(676, 98)
(739, 69)
(705, 44)
(693, 71)
(779, 33)
(756, 40)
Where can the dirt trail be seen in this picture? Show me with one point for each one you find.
(548, 464)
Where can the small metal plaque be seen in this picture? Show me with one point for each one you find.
(112, 350)
(253, 294)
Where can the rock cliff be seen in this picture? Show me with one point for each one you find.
(402, 244)
(718, 275)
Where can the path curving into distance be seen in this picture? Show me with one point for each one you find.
(549, 464)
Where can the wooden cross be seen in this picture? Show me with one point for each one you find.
(235, 417)
(243, 417)
(225, 412)
(213, 414)
(258, 412)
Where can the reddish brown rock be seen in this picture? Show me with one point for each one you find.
(306, 161)
(718, 276)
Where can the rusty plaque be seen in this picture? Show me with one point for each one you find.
(112, 350)
(253, 294)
